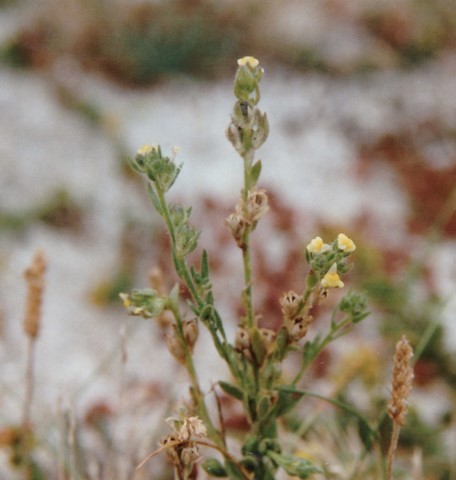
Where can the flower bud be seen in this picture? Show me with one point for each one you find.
(248, 75)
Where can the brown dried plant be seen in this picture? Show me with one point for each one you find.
(34, 276)
(401, 387)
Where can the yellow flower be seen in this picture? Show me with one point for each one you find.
(252, 62)
(317, 246)
(145, 149)
(332, 279)
(344, 243)
(125, 299)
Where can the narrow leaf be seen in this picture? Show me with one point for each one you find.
(214, 468)
(255, 172)
(204, 265)
(154, 199)
(231, 390)
(299, 467)
(286, 401)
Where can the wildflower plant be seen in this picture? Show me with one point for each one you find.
(255, 356)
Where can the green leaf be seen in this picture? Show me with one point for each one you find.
(232, 390)
(258, 346)
(154, 199)
(295, 466)
(366, 434)
(286, 401)
(214, 468)
(282, 341)
(204, 265)
(133, 163)
(255, 172)
(264, 405)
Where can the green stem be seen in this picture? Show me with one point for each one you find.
(197, 393)
(183, 273)
(246, 252)
(342, 405)
(330, 336)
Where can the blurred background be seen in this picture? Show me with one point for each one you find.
(360, 95)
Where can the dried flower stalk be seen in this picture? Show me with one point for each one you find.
(402, 385)
(34, 276)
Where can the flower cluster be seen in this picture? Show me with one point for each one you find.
(327, 261)
(160, 169)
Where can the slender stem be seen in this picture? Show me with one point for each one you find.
(337, 403)
(29, 383)
(392, 450)
(248, 293)
(198, 394)
(246, 252)
(184, 274)
(330, 336)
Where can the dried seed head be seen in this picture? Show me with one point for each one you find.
(298, 327)
(290, 304)
(189, 454)
(34, 276)
(176, 349)
(236, 224)
(191, 332)
(402, 381)
(256, 205)
(191, 427)
(268, 336)
(242, 340)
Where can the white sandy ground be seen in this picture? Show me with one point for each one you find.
(309, 156)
